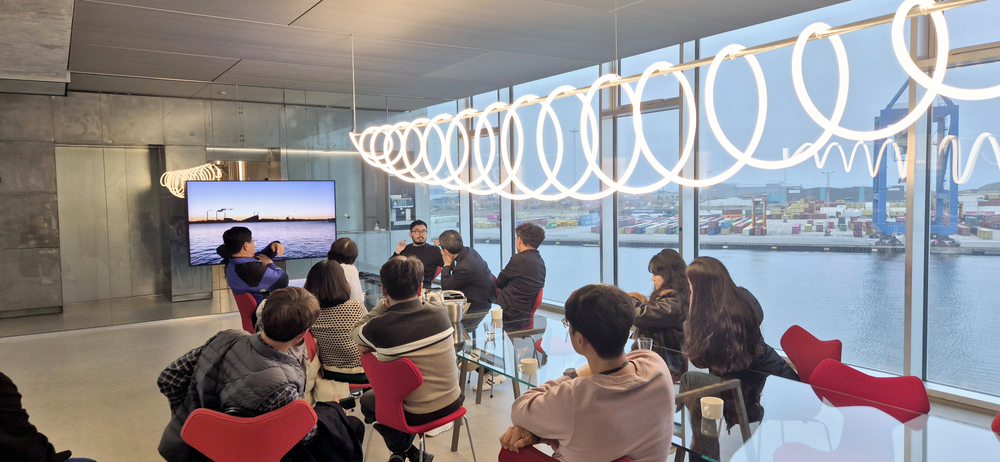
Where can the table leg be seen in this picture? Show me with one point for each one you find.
(517, 388)
(479, 391)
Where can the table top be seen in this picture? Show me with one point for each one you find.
(796, 426)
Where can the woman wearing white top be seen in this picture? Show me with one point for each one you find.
(345, 252)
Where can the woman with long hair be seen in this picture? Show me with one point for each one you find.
(338, 353)
(661, 316)
(345, 252)
(722, 334)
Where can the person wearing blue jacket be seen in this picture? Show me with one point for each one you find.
(248, 271)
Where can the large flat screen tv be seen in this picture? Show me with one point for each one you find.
(302, 215)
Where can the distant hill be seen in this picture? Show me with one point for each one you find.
(988, 188)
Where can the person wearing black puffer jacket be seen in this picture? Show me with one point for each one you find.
(661, 316)
(20, 441)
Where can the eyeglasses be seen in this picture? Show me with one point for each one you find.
(565, 323)
(419, 232)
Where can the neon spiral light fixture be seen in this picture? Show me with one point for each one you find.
(385, 146)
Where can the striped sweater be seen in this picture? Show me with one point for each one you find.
(423, 333)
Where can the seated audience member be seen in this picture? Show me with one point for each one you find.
(19, 439)
(235, 369)
(332, 330)
(661, 316)
(466, 271)
(722, 334)
(402, 326)
(523, 278)
(619, 405)
(428, 254)
(247, 273)
(345, 252)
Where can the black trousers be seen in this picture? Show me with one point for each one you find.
(399, 442)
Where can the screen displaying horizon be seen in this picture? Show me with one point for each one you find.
(302, 215)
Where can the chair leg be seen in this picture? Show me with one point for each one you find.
(369, 445)
(471, 444)
(422, 446)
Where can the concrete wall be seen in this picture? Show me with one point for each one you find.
(31, 128)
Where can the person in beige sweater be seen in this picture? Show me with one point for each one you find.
(618, 405)
(402, 326)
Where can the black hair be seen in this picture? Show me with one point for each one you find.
(669, 265)
(326, 281)
(343, 250)
(288, 313)
(603, 314)
(531, 234)
(451, 241)
(417, 223)
(402, 277)
(721, 332)
(235, 237)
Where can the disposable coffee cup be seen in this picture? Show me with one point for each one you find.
(496, 314)
(529, 366)
(711, 408)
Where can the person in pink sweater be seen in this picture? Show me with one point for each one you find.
(618, 405)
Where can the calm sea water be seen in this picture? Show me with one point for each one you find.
(302, 239)
(854, 297)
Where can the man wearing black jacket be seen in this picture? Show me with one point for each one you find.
(19, 439)
(428, 254)
(466, 271)
(523, 278)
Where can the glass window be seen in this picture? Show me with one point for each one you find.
(803, 240)
(963, 260)
(486, 207)
(572, 227)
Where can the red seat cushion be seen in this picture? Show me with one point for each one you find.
(806, 351)
(904, 398)
(265, 438)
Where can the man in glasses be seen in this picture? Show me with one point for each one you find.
(604, 413)
(248, 271)
(429, 255)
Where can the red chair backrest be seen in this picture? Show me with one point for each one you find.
(437, 273)
(392, 382)
(996, 425)
(806, 351)
(531, 454)
(247, 305)
(904, 398)
(310, 345)
(265, 438)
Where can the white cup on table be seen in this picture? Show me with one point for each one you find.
(529, 366)
(496, 314)
(711, 408)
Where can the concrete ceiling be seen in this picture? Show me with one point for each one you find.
(408, 54)
(34, 45)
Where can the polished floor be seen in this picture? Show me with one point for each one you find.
(84, 315)
(93, 391)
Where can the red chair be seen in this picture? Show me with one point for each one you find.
(392, 382)
(903, 398)
(247, 305)
(437, 273)
(996, 425)
(806, 351)
(534, 455)
(265, 438)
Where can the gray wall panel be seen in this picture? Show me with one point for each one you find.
(77, 118)
(120, 251)
(31, 279)
(27, 167)
(296, 132)
(132, 120)
(25, 118)
(184, 157)
(261, 125)
(29, 221)
(83, 220)
(149, 274)
(224, 128)
(184, 122)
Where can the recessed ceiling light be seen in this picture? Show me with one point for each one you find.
(223, 92)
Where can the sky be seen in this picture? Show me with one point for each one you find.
(304, 200)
